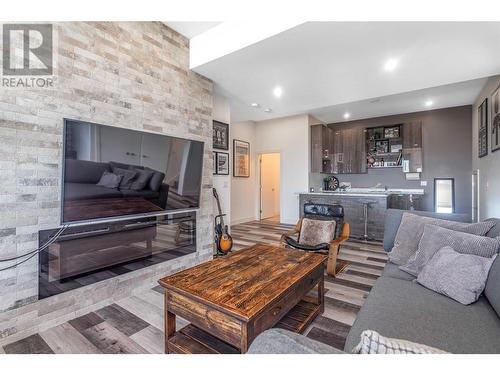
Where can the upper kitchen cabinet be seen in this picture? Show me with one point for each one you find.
(412, 134)
(337, 150)
(412, 145)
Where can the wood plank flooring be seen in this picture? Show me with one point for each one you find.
(135, 324)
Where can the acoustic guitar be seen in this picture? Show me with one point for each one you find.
(223, 241)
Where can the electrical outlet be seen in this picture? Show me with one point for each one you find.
(423, 183)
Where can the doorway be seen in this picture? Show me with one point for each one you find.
(270, 171)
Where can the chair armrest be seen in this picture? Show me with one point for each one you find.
(344, 236)
(287, 234)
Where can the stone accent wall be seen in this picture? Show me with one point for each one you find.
(133, 75)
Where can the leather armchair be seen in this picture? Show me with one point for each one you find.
(331, 249)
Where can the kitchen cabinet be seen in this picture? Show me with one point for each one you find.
(412, 145)
(337, 151)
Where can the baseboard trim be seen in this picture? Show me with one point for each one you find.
(244, 220)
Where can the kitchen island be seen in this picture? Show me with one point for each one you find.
(374, 201)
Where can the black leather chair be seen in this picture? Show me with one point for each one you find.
(342, 231)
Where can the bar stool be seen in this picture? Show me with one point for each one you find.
(366, 206)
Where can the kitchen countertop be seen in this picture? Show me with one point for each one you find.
(362, 192)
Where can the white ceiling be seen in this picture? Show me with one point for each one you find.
(191, 29)
(321, 65)
(452, 95)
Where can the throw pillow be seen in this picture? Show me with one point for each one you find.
(412, 227)
(315, 232)
(458, 276)
(142, 179)
(374, 343)
(128, 177)
(156, 179)
(110, 180)
(435, 238)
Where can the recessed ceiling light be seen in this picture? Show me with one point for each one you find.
(268, 110)
(391, 64)
(428, 103)
(347, 115)
(255, 105)
(278, 91)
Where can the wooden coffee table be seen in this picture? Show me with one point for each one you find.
(230, 300)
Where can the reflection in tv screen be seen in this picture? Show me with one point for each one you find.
(112, 172)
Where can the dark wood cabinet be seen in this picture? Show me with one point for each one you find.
(412, 145)
(412, 134)
(337, 151)
(405, 202)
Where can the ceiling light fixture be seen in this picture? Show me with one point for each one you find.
(428, 103)
(268, 110)
(255, 105)
(278, 91)
(347, 115)
(391, 64)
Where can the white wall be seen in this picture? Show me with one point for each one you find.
(221, 112)
(489, 166)
(244, 202)
(290, 137)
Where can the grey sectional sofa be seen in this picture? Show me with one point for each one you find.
(399, 307)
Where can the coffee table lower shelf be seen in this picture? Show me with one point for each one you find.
(193, 340)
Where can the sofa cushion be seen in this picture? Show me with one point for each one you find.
(84, 171)
(110, 180)
(495, 229)
(373, 343)
(393, 220)
(280, 341)
(128, 177)
(405, 310)
(76, 191)
(458, 276)
(392, 270)
(156, 180)
(492, 289)
(412, 227)
(314, 232)
(143, 178)
(435, 238)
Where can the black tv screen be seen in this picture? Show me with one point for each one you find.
(113, 172)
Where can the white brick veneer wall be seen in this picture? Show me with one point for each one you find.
(133, 75)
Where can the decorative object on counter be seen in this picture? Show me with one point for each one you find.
(241, 158)
(311, 190)
(370, 160)
(495, 120)
(382, 162)
(222, 163)
(330, 183)
(220, 135)
(482, 137)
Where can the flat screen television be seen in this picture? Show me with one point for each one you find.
(111, 172)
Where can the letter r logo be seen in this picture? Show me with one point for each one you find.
(27, 49)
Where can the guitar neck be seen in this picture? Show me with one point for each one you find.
(218, 206)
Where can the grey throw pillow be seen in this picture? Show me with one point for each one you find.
(374, 343)
(110, 180)
(435, 238)
(458, 276)
(412, 227)
(315, 232)
(142, 179)
(128, 177)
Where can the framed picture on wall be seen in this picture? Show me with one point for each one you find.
(220, 135)
(222, 163)
(495, 120)
(482, 135)
(241, 158)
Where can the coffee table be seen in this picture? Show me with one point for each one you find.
(232, 299)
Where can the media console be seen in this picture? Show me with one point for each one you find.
(85, 254)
